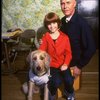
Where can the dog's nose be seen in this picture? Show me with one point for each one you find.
(39, 68)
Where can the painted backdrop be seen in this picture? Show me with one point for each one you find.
(27, 14)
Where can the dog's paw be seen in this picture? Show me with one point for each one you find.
(29, 97)
(25, 88)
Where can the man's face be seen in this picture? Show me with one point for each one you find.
(68, 6)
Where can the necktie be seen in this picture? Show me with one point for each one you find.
(66, 20)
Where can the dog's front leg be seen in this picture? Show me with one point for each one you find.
(46, 92)
(30, 92)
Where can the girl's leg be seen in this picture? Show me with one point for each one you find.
(54, 81)
(68, 82)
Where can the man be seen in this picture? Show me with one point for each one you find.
(80, 34)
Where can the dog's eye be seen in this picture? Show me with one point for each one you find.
(41, 57)
(34, 58)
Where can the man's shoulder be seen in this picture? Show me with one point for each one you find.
(80, 17)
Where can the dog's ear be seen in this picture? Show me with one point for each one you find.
(29, 57)
(47, 60)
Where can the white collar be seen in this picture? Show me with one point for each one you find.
(68, 19)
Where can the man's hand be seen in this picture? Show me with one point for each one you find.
(40, 41)
(76, 71)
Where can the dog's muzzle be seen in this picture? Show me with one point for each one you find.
(38, 68)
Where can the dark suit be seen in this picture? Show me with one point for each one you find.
(80, 35)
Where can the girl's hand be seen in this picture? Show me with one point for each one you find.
(63, 67)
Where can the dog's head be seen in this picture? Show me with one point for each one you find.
(39, 62)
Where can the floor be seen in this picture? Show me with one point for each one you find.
(11, 83)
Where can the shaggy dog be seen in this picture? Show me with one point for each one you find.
(38, 74)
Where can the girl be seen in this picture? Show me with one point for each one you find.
(57, 45)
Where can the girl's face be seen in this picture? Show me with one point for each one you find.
(53, 27)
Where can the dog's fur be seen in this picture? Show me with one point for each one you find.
(39, 62)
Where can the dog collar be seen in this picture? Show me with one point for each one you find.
(38, 75)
